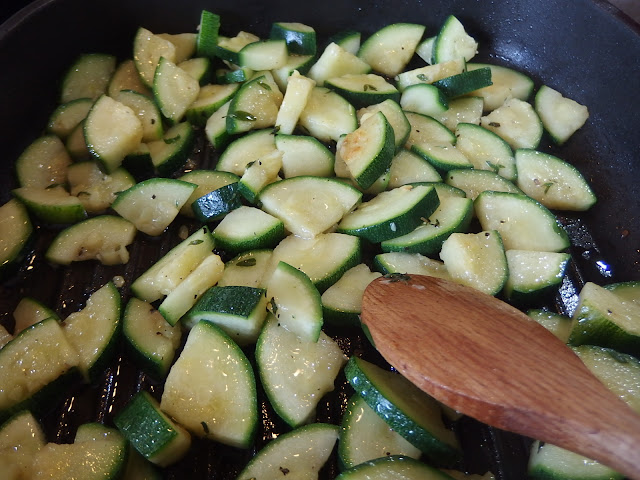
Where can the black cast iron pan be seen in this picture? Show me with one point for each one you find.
(584, 48)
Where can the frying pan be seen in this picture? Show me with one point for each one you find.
(584, 48)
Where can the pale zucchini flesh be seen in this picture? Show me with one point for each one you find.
(174, 90)
(88, 77)
(523, 223)
(167, 273)
(390, 49)
(552, 181)
(104, 238)
(30, 311)
(453, 215)
(126, 77)
(224, 406)
(473, 182)
(394, 466)
(309, 205)
(246, 149)
(323, 258)
(187, 293)
(53, 205)
(327, 116)
(304, 450)
(516, 122)
(408, 410)
(248, 228)
(603, 318)
(146, 110)
(486, 150)
(334, 62)
(254, 106)
(152, 205)
(92, 460)
(534, 274)
(365, 436)
(107, 120)
(95, 189)
(43, 163)
(148, 48)
(31, 363)
(67, 116)
(412, 263)
(465, 109)
(392, 213)
(368, 151)
(430, 73)
(283, 358)
(295, 302)
(247, 269)
(342, 301)
(477, 260)
(304, 155)
(556, 323)
(295, 99)
(16, 232)
(507, 83)
(93, 331)
(409, 167)
(394, 114)
(560, 116)
(152, 341)
(21, 437)
(453, 42)
(427, 130)
(550, 461)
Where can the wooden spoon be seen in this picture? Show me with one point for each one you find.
(490, 361)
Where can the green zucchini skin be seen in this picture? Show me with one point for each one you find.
(395, 399)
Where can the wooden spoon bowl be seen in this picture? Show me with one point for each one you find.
(490, 361)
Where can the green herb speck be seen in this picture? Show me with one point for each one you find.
(244, 116)
(171, 140)
(247, 262)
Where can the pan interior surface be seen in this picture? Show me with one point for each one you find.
(582, 48)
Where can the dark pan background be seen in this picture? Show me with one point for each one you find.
(583, 48)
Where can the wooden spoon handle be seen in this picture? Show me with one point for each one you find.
(490, 361)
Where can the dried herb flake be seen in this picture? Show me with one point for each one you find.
(397, 277)
(171, 140)
(274, 306)
(243, 116)
(247, 262)
(494, 166)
